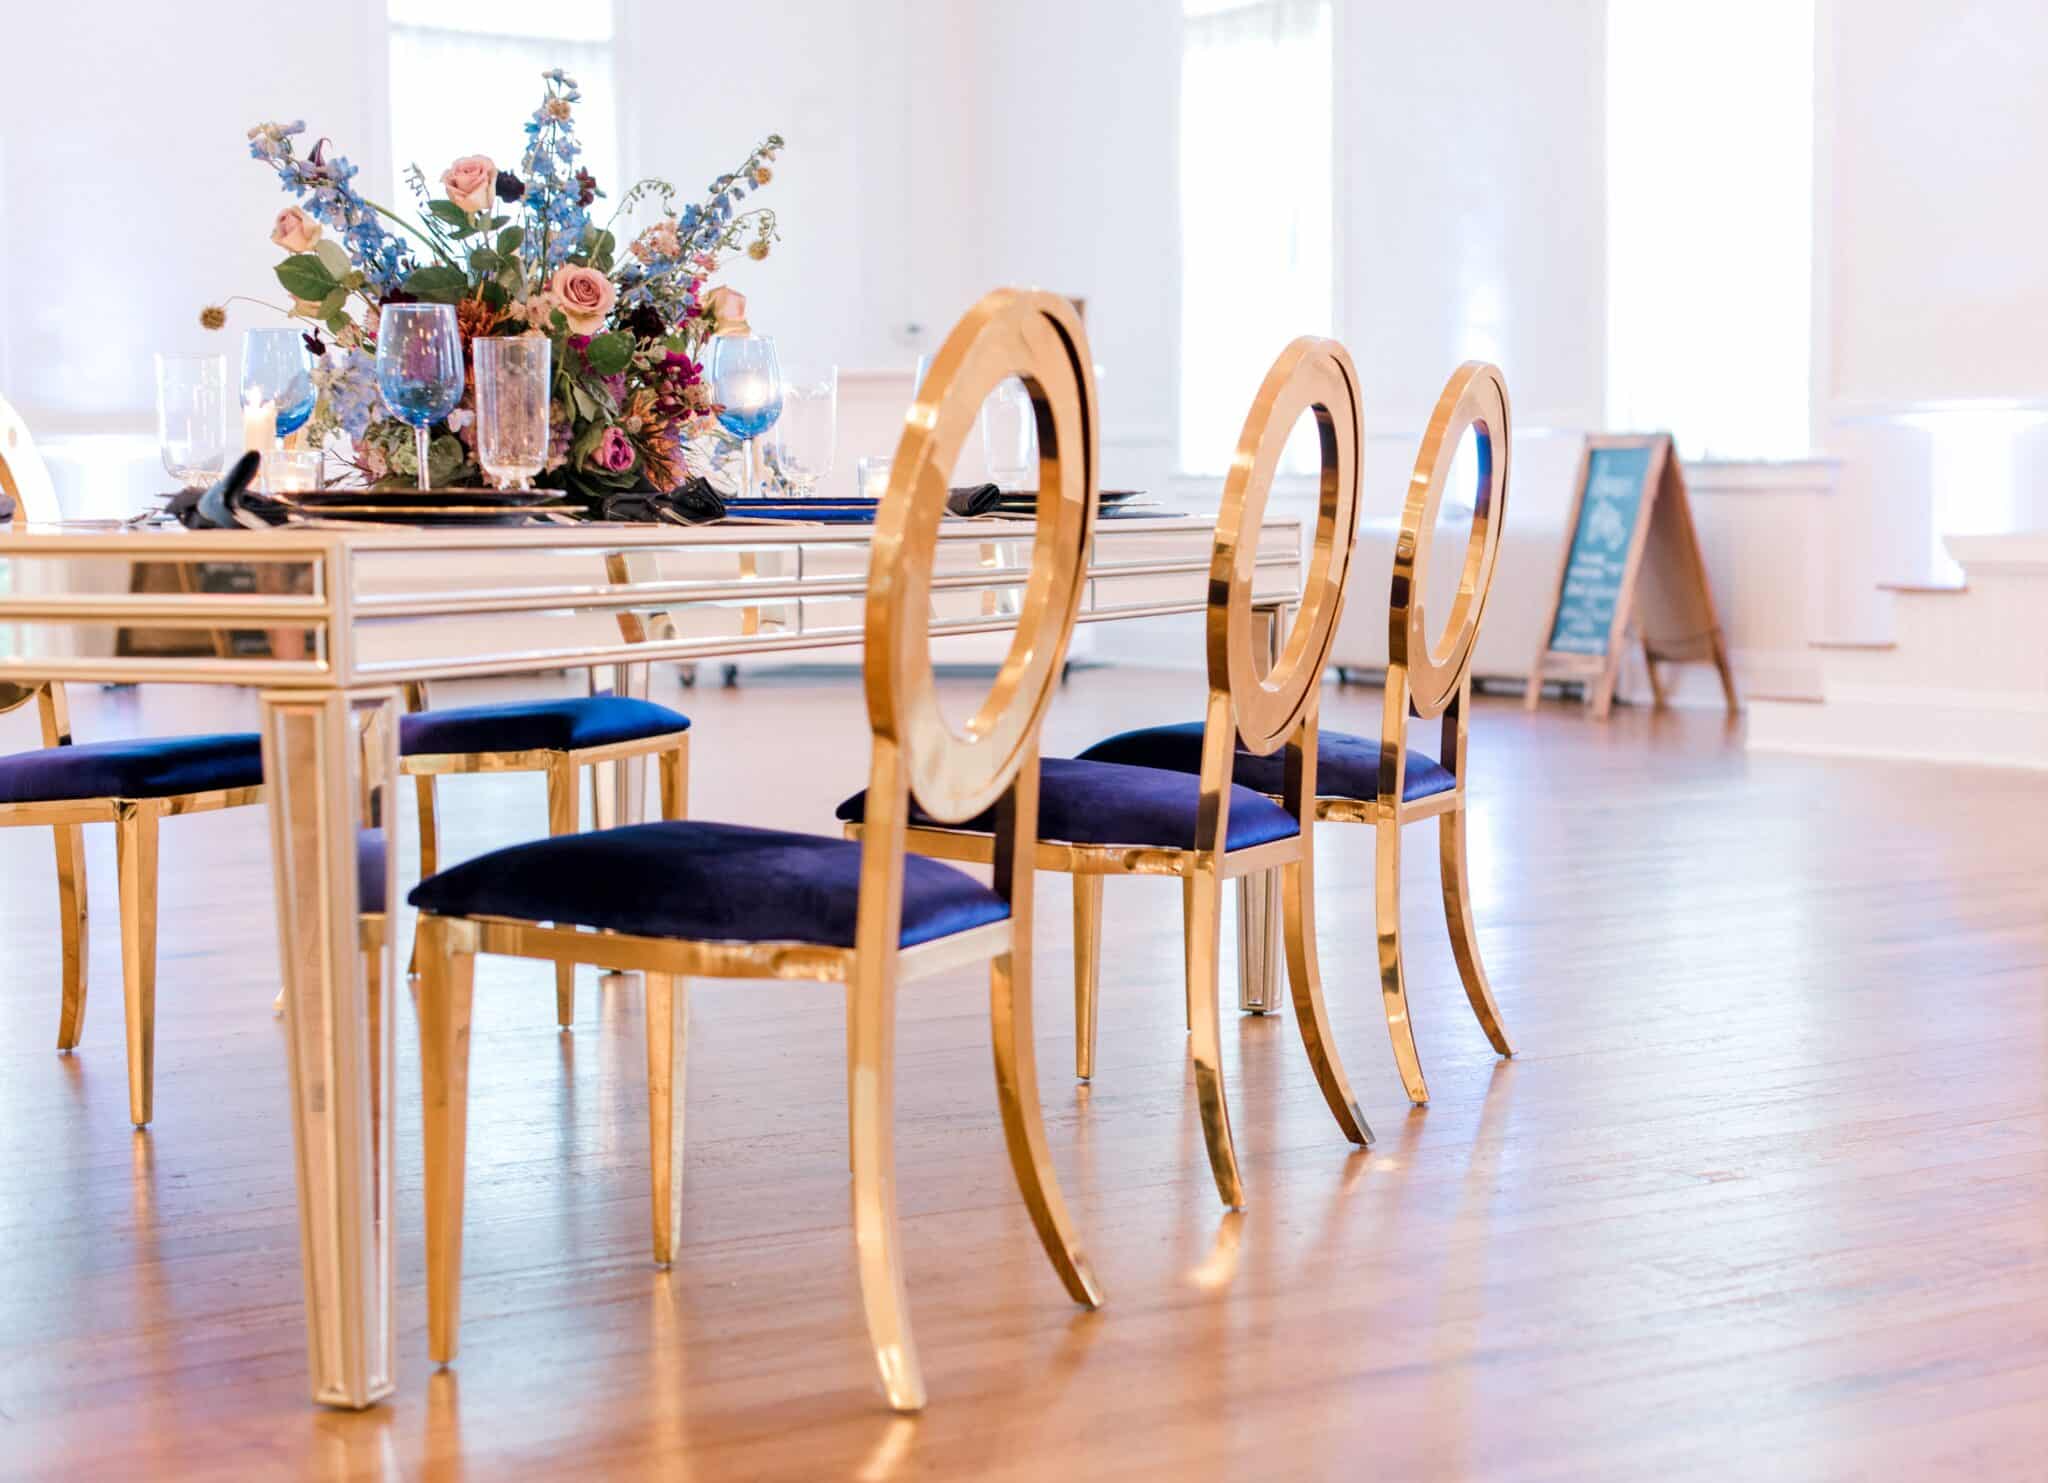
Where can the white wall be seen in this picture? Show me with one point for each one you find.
(1930, 383)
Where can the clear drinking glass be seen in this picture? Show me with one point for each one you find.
(419, 367)
(192, 417)
(1009, 434)
(512, 408)
(806, 433)
(746, 383)
(278, 369)
(871, 476)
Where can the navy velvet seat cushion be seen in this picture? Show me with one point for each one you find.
(537, 725)
(703, 882)
(155, 767)
(1346, 766)
(1102, 803)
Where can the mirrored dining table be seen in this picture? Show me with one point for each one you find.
(328, 623)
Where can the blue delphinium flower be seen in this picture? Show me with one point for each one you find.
(323, 189)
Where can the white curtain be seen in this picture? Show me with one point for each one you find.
(466, 76)
(1710, 116)
(1255, 208)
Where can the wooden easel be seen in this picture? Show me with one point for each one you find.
(1651, 587)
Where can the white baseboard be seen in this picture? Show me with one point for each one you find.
(1985, 729)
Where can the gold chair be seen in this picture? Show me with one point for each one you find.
(727, 901)
(1106, 818)
(557, 738)
(1387, 783)
(132, 784)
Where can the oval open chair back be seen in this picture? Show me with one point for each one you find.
(1038, 338)
(23, 474)
(1314, 376)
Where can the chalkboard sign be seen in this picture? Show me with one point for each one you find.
(1596, 563)
(1632, 564)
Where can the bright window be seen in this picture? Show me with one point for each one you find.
(1710, 223)
(466, 75)
(1255, 208)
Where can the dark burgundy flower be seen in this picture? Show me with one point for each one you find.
(510, 186)
(646, 322)
(586, 187)
(314, 344)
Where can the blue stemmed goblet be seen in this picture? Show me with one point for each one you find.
(419, 368)
(746, 383)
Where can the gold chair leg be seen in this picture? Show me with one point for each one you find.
(430, 849)
(562, 820)
(1452, 849)
(675, 780)
(1087, 969)
(1016, 1053)
(135, 831)
(1205, 924)
(668, 1041)
(873, 1073)
(71, 920)
(1305, 978)
(1393, 986)
(446, 990)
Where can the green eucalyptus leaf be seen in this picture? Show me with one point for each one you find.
(483, 262)
(438, 284)
(445, 458)
(609, 353)
(601, 249)
(448, 213)
(304, 276)
(336, 323)
(331, 305)
(335, 258)
(510, 238)
(495, 294)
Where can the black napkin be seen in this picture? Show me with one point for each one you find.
(229, 503)
(981, 499)
(695, 503)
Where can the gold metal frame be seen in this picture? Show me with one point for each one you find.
(952, 774)
(613, 797)
(1429, 681)
(1268, 696)
(135, 821)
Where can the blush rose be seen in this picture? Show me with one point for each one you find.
(470, 181)
(584, 295)
(294, 231)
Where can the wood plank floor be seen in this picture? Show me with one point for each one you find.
(1765, 1194)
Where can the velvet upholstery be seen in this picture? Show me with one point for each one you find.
(703, 882)
(370, 858)
(1346, 766)
(155, 767)
(1103, 803)
(537, 726)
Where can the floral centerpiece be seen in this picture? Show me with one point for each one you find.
(519, 252)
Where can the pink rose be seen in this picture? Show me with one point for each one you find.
(615, 451)
(727, 306)
(294, 231)
(470, 181)
(584, 295)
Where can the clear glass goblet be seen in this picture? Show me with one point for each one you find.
(806, 433)
(192, 417)
(746, 382)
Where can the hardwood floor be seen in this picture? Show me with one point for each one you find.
(1765, 1193)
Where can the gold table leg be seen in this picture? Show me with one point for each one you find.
(340, 1049)
(1258, 944)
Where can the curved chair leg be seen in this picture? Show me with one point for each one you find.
(1024, 1124)
(1452, 849)
(1386, 891)
(1087, 969)
(668, 1042)
(1305, 978)
(562, 820)
(873, 1090)
(135, 830)
(71, 919)
(430, 848)
(1205, 924)
(446, 990)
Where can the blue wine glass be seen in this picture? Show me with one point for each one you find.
(278, 369)
(419, 367)
(746, 383)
